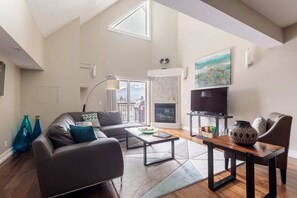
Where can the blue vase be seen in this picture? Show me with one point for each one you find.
(26, 123)
(23, 141)
(37, 128)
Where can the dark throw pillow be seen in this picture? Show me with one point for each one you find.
(82, 133)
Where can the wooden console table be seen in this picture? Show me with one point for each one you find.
(260, 151)
(217, 117)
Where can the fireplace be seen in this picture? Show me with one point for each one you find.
(165, 112)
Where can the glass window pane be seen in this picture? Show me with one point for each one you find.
(135, 23)
(138, 99)
(122, 99)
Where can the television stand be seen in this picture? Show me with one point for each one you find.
(217, 118)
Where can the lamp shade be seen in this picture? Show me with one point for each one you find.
(112, 84)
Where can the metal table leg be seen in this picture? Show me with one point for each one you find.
(272, 179)
(250, 176)
(215, 185)
(158, 161)
(127, 143)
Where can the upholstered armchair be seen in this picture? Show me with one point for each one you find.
(278, 133)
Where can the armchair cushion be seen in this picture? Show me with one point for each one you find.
(82, 133)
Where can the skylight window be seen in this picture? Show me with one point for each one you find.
(134, 23)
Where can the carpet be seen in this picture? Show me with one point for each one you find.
(190, 166)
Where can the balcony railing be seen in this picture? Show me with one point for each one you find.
(134, 113)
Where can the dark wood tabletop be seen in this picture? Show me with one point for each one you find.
(259, 150)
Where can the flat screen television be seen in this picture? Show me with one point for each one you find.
(210, 101)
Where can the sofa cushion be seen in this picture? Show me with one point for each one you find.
(110, 118)
(118, 130)
(99, 134)
(91, 117)
(59, 131)
(59, 135)
(82, 133)
(65, 120)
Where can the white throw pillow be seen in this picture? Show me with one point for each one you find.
(83, 123)
(260, 125)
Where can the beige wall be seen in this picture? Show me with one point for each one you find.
(112, 52)
(269, 85)
(10, 106)
(164, 36)
(17, 21)
(123, 55)
(56, 90)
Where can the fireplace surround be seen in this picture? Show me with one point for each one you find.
(166, 89)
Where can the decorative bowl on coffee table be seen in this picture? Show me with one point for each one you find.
(148, 130)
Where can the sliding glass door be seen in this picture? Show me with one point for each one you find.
(132, 101)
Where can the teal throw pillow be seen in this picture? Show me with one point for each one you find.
(82, 133)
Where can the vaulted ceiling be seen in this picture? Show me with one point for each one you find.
(51, 15)
(281, 12)
(259, 21)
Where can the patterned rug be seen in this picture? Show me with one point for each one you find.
(190, 166)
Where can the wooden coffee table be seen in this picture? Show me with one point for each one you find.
(147, 141)
(260, 151)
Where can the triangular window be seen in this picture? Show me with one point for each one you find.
(134, 23)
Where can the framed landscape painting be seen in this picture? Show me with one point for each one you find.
(2, 76)
(213, 70)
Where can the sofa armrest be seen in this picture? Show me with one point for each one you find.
(42, 148)
(79, 165)
(104, 146)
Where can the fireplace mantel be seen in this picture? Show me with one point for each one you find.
(165, 72)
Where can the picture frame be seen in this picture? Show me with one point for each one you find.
(2, 77)
(213, 70)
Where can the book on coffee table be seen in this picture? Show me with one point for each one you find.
(162, 135)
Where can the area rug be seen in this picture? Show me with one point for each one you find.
(190, 166)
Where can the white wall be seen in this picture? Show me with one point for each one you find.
(269, 85)
(123, 55)
(164, 36)
(17, 21)
(10, 106)
(56, 90)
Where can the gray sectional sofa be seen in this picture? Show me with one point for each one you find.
(111, 123)
(64, 165)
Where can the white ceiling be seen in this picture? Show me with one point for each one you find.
(51, 15)
(281, 12)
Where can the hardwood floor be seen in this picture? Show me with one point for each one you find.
(18, 179)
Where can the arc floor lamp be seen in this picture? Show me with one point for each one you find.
(111, 84)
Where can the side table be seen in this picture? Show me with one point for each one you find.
(260, 151)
